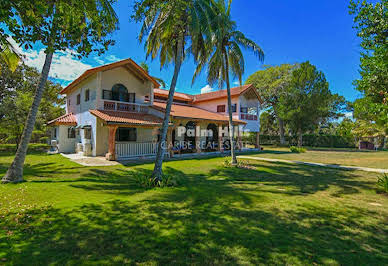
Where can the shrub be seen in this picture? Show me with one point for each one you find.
(145, 181)
(313, 140)
(382, 182)
(32, 147)
(240, 164)
(297, 149)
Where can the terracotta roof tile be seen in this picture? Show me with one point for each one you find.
(94, 70)
(222, 93)
(177, 95)
(236, 91)
(67, 119)
(120, 117)
(192, 112)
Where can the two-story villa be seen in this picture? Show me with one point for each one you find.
(116, 110)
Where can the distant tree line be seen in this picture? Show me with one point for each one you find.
(16, 94)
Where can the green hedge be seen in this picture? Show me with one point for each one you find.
(330, 141)
(32, 147)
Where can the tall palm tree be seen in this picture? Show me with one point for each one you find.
(224, 55)
(172, 29)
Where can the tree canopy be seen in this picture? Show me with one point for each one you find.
(308, 101)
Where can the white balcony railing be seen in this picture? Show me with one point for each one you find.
(135, 149)
(123, 106)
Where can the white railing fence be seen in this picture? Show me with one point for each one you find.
(135, 149)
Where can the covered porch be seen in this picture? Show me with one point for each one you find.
(125, 135)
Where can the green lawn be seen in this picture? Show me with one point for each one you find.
(268, 213)
(348, 157)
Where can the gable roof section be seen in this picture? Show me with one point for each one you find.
(132, 66)
(236, 91)
(67, 120)
(118, 117)
(192, 112)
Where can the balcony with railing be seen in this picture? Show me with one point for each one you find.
(122, 102)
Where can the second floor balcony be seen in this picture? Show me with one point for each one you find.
(126, 107)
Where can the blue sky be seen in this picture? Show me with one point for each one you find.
(288, 32)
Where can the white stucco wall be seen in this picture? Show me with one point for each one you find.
(121, 76)
(253, 126)
(212, 105)
(65, 144)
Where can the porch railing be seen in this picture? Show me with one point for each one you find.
(135, 149)
(129, 107)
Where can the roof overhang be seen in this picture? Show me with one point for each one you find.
(128, 64)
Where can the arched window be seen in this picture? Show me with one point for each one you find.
(119, 93)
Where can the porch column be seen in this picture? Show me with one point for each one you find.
(111, 155)
(198, 137)
(220, 138)
(257, 140)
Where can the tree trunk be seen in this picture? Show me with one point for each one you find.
(281, 131)
(230, 112)
(15, 171)
(281, 128)
(157, 173)
(300, 138)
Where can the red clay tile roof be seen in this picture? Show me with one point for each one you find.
(177, 95)
(135, 67)
(119, 117)
(236, 91)
(67, 119)
(192, 112)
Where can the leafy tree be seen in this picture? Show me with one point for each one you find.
(83, 26)
(268, 124)
(308, 101)
(271, 83)
(371, 23)
(171, 29)
(224, 56)
(16, 98)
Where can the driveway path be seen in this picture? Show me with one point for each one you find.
(345, 167)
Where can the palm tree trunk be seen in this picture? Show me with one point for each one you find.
(157, 173)
(15, 171)
(230, 112)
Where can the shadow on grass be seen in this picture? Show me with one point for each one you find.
(212, 218)
(192, 225)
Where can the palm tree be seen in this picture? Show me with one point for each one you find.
(145, 66)
(225, 56)
(171, 29)
(9, 54)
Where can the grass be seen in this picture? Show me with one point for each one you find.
(267, 213)
(350, 157)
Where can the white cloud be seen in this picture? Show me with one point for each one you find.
(112, 58)
(65, 65)
(237, 83)
(206, 89)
